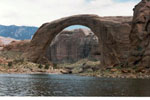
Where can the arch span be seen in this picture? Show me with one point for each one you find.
(104, 28)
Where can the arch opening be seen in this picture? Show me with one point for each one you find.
(74, 43)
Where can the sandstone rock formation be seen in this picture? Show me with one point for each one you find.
(5, 41)
(18, 46)
(140, 36)
(112, 33)
(1, 43)
(72, 45)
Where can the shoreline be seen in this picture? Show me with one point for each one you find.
(12, 63)
(122, 77)
(31, 72)
(82, 74)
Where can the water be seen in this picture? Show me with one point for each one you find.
(70, 85)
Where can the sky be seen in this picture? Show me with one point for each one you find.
(76, 27)
(37, 12)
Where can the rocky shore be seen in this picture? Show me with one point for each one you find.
(12, 63)
(120, 73)
(91, 68)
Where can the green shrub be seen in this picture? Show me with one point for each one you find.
(47, 66)
(40, 66)
(54, 65)
(10, 64)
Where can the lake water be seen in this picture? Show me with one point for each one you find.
(70, 85)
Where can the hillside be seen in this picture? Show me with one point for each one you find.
(17, 32)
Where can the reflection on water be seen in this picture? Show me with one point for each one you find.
(70, 85)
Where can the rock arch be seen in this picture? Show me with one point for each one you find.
(106, 29)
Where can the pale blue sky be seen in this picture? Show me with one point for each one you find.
(76, 27)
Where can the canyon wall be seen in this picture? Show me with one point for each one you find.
(140, 36)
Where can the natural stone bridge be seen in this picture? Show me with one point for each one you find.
(113, 34)
(110, 31)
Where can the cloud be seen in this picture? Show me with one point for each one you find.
(37, 12)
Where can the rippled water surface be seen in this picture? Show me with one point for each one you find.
(70, 85)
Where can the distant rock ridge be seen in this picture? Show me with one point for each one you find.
(17, 32)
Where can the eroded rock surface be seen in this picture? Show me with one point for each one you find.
(72, 45)
(112, 33)
(140, 36)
